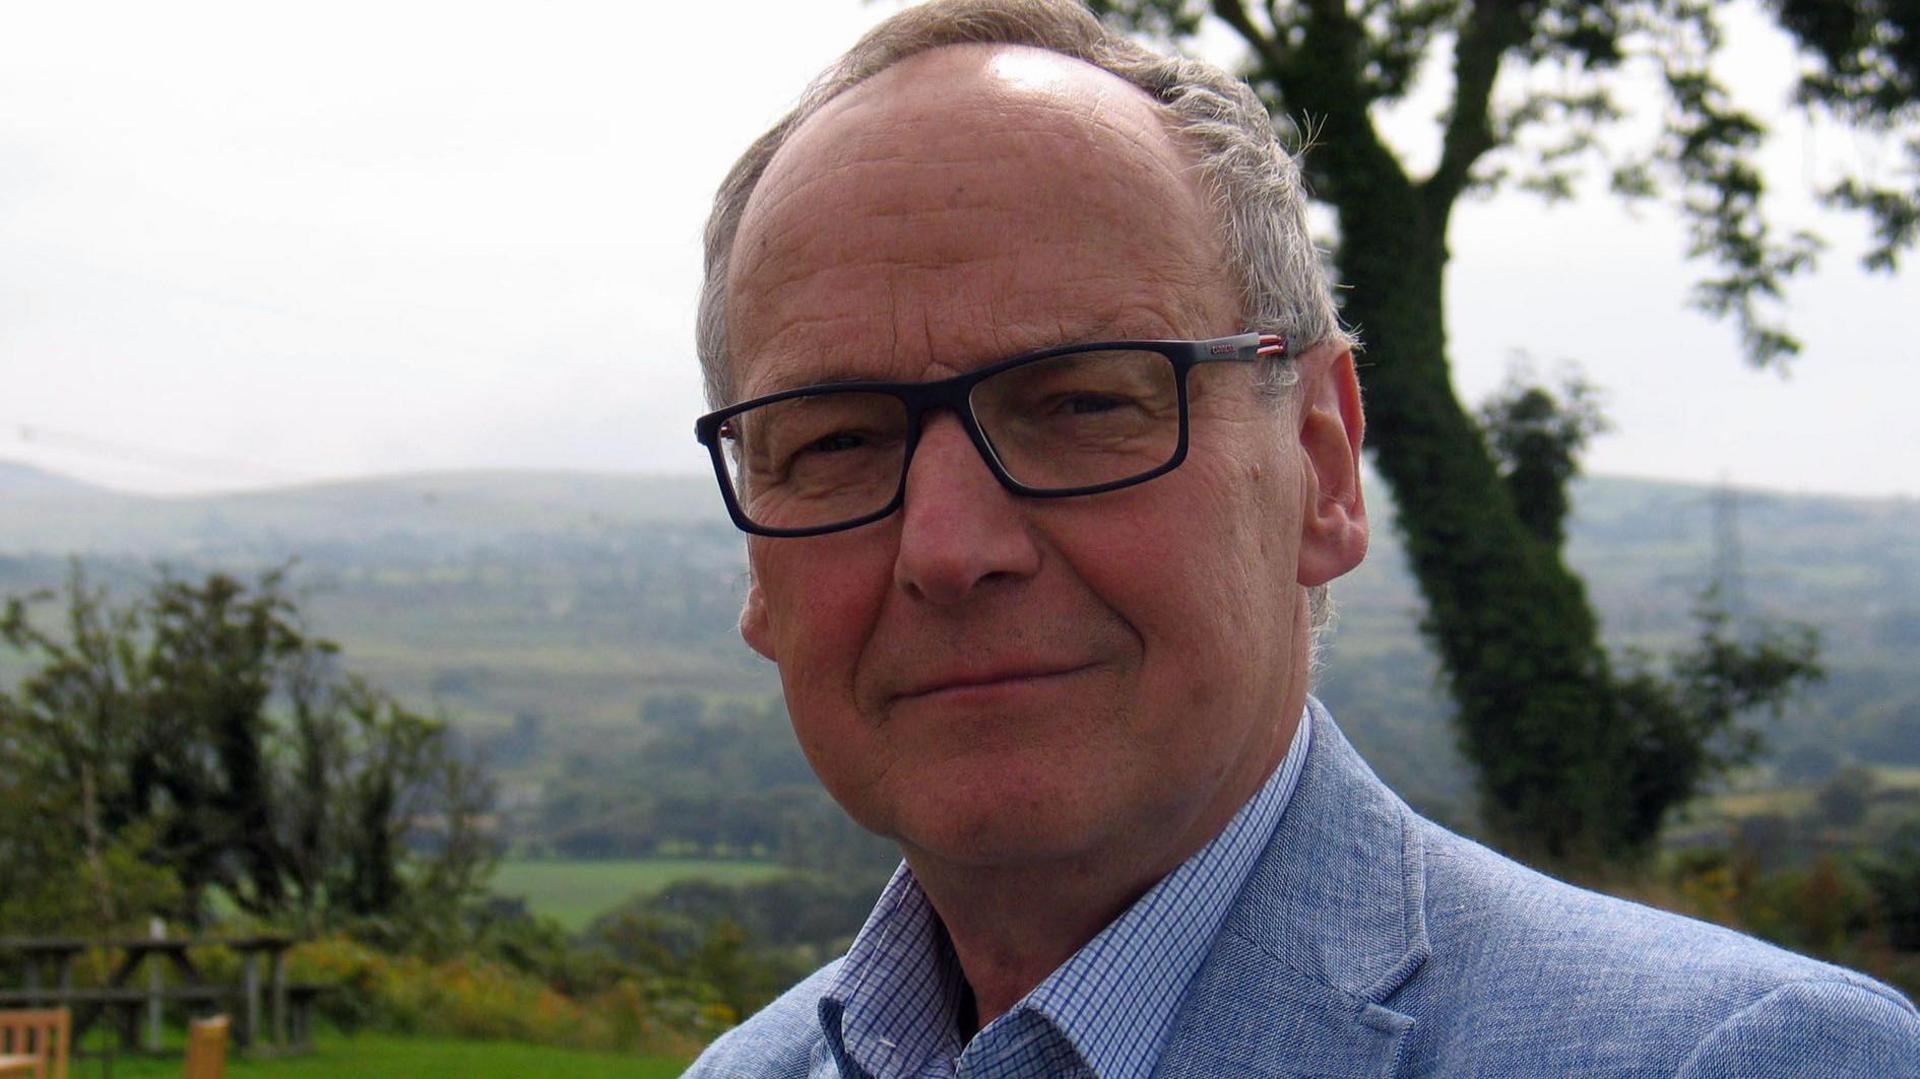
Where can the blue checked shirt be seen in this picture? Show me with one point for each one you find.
(893, 1009)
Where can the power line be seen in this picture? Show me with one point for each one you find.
(1729, 565)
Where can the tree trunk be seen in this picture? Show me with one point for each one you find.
(1516, 636)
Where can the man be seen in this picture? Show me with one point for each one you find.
(1043, 612)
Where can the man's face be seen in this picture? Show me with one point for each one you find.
(996, 681)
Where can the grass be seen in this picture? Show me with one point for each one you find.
(1897, 777)
(574, 893)
(1787, 801)
(381, 1056)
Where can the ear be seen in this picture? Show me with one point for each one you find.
(1333, 519)
(754, 627)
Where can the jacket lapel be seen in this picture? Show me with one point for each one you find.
(1328, 925)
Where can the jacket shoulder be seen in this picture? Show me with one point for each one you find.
(1535, 968)
(1812, 1028)
(777, 1042)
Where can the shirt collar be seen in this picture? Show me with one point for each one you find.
(894, 1003)
(892, 1008)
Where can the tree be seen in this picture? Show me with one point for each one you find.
(1558, 737)
(1844, 800)
(199, 739)
(1894, 876)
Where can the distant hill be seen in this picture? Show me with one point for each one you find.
(44, 514)
(26, 481)
(548, 611)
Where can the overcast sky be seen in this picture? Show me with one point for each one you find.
(244, 244)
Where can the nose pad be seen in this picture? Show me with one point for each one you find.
(959, 528)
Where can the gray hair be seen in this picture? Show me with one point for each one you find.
(1252, 182)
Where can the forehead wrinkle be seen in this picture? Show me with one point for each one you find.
(802, 267)
(992, 311)
(794, 255)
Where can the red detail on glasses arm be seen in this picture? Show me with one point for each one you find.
(1272, 344)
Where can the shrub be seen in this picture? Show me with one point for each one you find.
(1895, 877)
(475, 997)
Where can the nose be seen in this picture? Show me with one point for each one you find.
(959, 529)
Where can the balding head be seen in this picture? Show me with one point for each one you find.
(1252, 186)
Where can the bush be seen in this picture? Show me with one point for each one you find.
(1895, 878)
(474, 997)
(1857, 911)
(748, 942)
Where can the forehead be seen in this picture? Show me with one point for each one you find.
(965, 205)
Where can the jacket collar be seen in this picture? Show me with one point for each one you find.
(1329, 924)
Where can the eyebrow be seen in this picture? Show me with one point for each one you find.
(782, 385)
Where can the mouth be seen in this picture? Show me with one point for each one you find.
(987, 680)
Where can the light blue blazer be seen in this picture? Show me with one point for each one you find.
(1369, 941)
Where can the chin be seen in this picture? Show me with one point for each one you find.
(1003, 831)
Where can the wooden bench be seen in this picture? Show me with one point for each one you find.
(207, 1048)
(120, 1006)
(269, 1012)
(196, 994)
(300, 1000)
(34, 1043)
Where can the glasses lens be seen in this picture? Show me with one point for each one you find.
(1082, 419)
(815, 461)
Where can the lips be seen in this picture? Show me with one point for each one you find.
(988, 677)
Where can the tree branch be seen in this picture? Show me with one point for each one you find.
(1492, 27)
(1324, 79)
(1266, 49)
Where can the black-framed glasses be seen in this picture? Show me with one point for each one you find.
(1072, 420)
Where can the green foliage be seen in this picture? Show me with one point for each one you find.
(792, 910)
(1819, 908)
(1684, 728)
(1843, 800)
(1894, 875)
(1536, 436)
(747, 941)
(659, 975)
(721, 782)
(46, 889)
(385, 1056)
(471, 996)
(1862, 65)
(196, 746)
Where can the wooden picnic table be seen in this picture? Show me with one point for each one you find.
(48, 975)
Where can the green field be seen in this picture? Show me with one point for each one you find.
(380, 1056)
(1897, 778)
(574, 893)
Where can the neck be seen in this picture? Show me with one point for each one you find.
(1013, 925)
(1012, 928)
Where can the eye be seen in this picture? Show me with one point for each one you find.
(1087, 404)
(835, 442)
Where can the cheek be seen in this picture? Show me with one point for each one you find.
(1178, 577)
(1219, 595)
(822, 602)
(822, 611)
